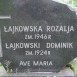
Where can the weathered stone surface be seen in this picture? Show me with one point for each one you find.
(39, 13)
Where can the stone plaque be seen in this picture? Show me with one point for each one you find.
(41, 36)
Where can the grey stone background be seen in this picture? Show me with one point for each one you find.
(64, 72)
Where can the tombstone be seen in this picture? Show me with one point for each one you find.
(41, 36)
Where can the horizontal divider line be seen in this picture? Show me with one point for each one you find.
(5, 17)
